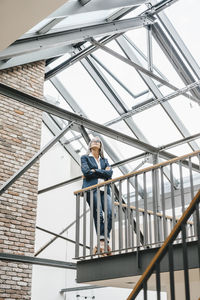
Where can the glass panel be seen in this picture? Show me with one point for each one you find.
(188, 111)
(156, 126)
(186, 23)
(180, 150)
(139, 37)
(87, 94)
(59, 60)
(84, 19)
(54, 96)
(160, 60)
(123, 128)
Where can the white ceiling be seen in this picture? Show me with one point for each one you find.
(18, 16)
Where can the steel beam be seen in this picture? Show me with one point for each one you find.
(50, 25)
(174, 58)
(179, 43)
(126, 264)
(59, 236)
(37, 261)
(64, 114)
(140, 68)
(152, 102)
(81, 288)
(158, 7)
(113, 76)
(77, 57)
(37, 156)
(181, 141)
(50, 123)
(36, 56)
(55, 238)
(72, 36)
(149, 49)
(144, 56)
(72, 103)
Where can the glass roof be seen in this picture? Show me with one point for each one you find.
(186, 23)
(127, 89)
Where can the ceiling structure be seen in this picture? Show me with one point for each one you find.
(123, 65)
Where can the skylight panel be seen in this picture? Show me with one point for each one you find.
(187, 23)
(188, 111)
(157, 126)
(87, 94)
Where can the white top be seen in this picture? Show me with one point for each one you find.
(99, 167)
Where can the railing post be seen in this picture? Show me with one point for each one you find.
(113, 216)
(198, 230)
(98, 220)
(172, 196)
(84, 224)
(155, 206)
(91, 220)
(192, 195)
(145, 223)
(163, 203)
(105, 219)
(77, 225)
(185, 263)
(181, 186)
(137, 213)
(128, 213)
(120, 218)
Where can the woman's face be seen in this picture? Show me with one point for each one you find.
(95, 146)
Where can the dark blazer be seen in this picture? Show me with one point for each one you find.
(91, 178)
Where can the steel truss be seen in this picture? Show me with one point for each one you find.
(64, 114)
(140, 69)
(72, 36)
(37, 261)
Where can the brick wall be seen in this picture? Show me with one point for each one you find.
(20, 130)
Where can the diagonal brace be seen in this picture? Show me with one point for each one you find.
(37, 156)
(140, 68)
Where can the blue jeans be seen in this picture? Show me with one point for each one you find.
(102, 209)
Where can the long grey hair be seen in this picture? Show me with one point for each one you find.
(96, 139)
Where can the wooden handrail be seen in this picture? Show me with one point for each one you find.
(161, 252)
(173, 160)
(150, 212)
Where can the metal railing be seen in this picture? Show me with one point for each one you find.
(167, 248)
(145, 208)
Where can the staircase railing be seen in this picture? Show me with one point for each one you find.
(167, 248)
(145, 208)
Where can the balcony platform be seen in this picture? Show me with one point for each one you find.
(123, 270)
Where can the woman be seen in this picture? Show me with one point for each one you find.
(96, 169)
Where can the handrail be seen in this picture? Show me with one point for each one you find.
(150, 212)
(165, 163)
(161, 252)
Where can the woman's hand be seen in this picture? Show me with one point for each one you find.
(107, 168)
